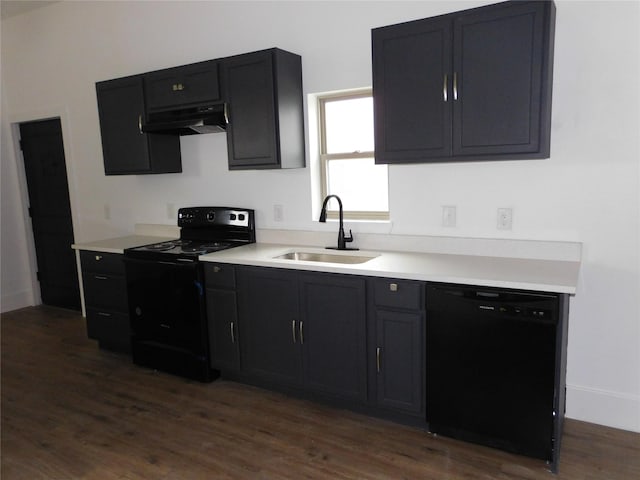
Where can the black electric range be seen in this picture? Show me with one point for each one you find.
(165, 287)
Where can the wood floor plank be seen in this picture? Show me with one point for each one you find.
(73, 411)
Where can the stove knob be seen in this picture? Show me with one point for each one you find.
(211, 216)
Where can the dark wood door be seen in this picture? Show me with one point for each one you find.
(333, 335)
(498, 64)
(412, 91)
(249, 93)
(269, 324)
(400, 360)
(126, 150)
(50, 210)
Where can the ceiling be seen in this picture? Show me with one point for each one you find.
(11, 8)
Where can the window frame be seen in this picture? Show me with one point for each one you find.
(324, 157)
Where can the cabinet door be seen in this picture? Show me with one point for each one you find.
(499, 61)
(333, 335)
(249, 93)
(412, 91)
(222, 316)
(269, 324)
(189, 85)
(125, 149)
(400, 360)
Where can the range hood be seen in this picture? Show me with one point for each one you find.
(186, 121)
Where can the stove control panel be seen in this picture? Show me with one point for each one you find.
(212, 216)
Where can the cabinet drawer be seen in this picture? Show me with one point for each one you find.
(390, 292)
(220, 275)
(110, 328)
(105, 291)
(102, 262)
(182, 86)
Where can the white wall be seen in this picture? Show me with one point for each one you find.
(587, 191)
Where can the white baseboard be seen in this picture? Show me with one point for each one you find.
(14, 301)
(613, 409)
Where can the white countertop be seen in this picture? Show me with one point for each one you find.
(519, 273)
(119, 244)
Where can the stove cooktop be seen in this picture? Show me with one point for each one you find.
(203, 230)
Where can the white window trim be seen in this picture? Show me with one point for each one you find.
(332, 213)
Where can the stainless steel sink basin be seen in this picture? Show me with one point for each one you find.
(325, 257)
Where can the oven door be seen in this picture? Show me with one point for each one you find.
(167, 312)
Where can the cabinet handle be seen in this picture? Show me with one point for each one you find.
(378, 359)
(455, 85)
(393, 287)
(100, 277)
(233, 336)
(140, 124)
(445, 94)
(177, 87)
(216, 269)
(226, 113)
(293, 330)
(98, 258)
(104, 314)
(301, 334)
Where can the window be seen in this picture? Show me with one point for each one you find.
(347, 157)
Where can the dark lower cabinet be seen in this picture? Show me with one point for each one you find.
(397, 357)
(471, 85)
(222, 316)
(333, 335)
(105, 295)
(399, 361)
(270, 325)
(125, 149)
(304, 330)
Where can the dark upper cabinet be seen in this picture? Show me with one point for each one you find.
(186, 86)
(126, 150)
(472, 85)
(263, 93)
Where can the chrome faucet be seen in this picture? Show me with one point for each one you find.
(342, 239)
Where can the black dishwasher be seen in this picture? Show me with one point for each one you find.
(495, 368)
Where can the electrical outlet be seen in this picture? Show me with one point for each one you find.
(505, 218)
(448, 216)
(277, 213)
(171, 211)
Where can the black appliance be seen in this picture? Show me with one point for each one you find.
(165, 287)
(187, 120)
(493, 370)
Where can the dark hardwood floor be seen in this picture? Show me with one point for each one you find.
(72, 411)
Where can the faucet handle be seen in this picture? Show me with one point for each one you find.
(350, 237)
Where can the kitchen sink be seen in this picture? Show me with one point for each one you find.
(326, 257)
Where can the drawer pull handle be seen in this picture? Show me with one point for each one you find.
(393, 287)
(100, 277)
(445, 94)
(104, 314)
(216, 269)
(455, 85)
(98, 258)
